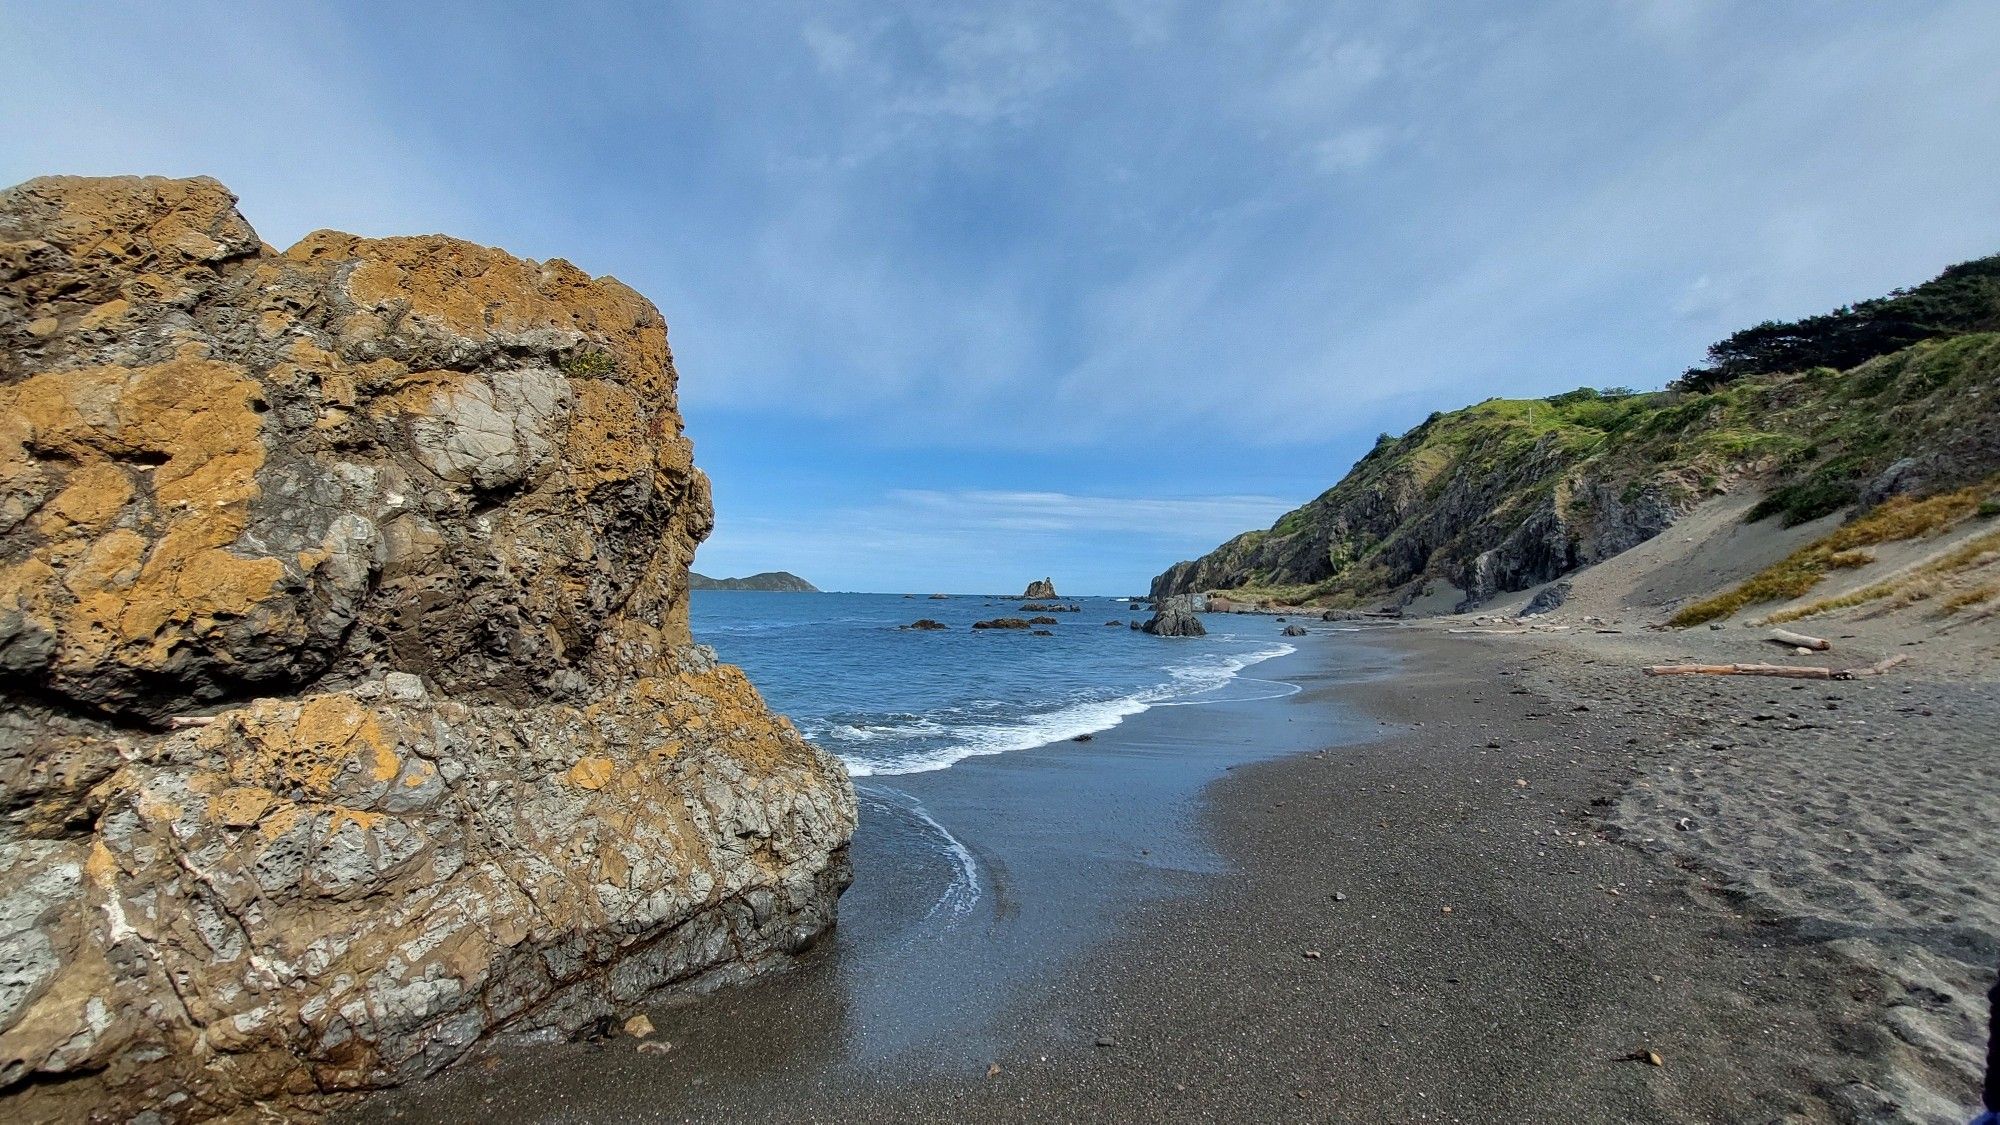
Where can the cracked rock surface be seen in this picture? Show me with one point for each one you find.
(350, 713)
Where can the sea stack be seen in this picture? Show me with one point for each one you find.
(1043, 589)
(1175, 617)
(350, 714)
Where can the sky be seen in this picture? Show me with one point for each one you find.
(964, 295)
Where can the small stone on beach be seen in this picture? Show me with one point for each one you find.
(638, 1027)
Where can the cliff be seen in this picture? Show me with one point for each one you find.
(782, 581)
(350, 710)
(1509, 494)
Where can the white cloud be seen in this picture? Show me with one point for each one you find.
(1350, 150)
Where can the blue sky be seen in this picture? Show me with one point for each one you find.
(965, 295)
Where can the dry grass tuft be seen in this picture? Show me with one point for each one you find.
(1965, 599)
(1921, 584)
(1797, 573)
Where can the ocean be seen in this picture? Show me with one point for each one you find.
(992, 855)
(889, 700)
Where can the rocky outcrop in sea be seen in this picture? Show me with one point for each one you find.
(351, 715)
(1042, 589)
(1175, 617)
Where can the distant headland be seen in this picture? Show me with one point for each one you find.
(781, 580)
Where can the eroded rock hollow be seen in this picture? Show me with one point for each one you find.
(350, 709)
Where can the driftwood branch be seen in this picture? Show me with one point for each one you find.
(1740, 670)
(1875, 669)
(1800, 640)
(1784, 670)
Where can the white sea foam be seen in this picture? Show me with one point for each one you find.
(1199, 680)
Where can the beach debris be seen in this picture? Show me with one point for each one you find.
(1783, 670)
(1447, 910)
(1106, 1041)
(1800, 640)
(992, 1070)
(1644, 1055)
(1339, 897)
(1310, 954)
(1684, 824)
(638, 1027)
(655, 1047)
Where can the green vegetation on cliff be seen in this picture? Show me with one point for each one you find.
(1511, 493)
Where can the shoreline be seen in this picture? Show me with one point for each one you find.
(1510, 934)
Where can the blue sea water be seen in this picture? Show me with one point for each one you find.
(893, 701)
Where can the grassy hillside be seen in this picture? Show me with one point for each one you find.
(1510, 493)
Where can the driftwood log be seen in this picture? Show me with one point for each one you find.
(1784, 670)
(1799, 640)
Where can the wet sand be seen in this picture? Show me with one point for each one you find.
(1437, 819)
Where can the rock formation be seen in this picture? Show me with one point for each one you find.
(1043, 589)
(350, 711)
(1175, 617)
(1547, 600)
(1001, 623)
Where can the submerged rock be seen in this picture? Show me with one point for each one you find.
(1175, 617)
(1001, 623)
(926, 623)
(350, 714)
(1293, 631)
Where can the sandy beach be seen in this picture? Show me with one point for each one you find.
(1453, 878)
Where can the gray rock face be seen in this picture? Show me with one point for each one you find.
(349, 712)
(1469, 527)
(1294, 631)
(1175, 617)
(1550, 598)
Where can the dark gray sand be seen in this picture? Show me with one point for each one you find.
(1384, 898)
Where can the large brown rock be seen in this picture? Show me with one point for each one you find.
(348, 709)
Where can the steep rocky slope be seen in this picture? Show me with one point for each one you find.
(348, 709)
(1510, 493)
